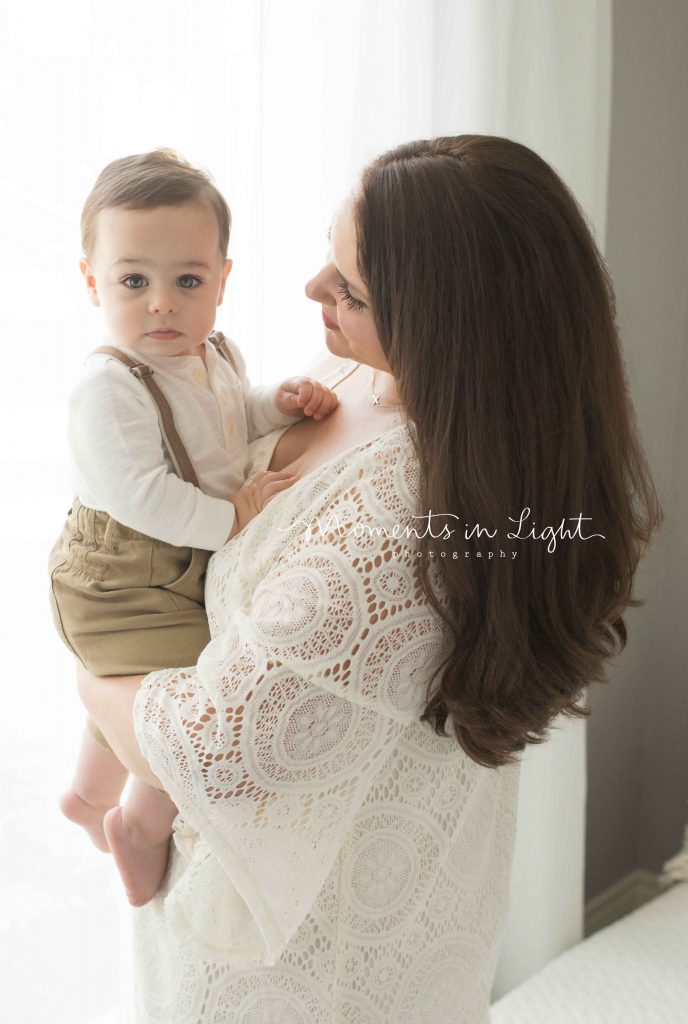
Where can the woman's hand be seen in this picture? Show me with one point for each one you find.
(255, 495)
(302, 394)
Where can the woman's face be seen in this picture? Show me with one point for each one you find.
(349, 326)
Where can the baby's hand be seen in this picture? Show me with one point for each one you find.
(255, 495)
(301, 394)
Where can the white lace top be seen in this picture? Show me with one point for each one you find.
(334, 860)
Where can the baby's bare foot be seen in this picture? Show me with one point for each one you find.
(86, 815)
(141, 863)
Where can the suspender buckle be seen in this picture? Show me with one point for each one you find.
(141, 370)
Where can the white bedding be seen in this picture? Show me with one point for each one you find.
(633, 972)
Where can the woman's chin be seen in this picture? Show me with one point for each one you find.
(338, 345)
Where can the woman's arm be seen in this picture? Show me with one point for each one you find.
(271, 744)
(110, 700)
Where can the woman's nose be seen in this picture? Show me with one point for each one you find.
(320, 289)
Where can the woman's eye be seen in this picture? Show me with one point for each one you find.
(188, 281)
(135, 281)
(348, 298)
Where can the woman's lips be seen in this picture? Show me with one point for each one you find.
(330, 324)
(164, 335)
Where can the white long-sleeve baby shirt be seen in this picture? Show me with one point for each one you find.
(120, 465)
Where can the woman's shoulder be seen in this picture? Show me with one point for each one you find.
(372, 487)
(388, 460)
(383, 473)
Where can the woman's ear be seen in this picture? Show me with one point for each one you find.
(90, 281)
(226, 270)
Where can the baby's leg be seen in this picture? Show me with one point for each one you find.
(139, 836)
(98, 783)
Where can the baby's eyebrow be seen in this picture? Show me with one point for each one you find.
(147, 263)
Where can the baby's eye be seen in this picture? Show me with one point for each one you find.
(188, 281)
(134, 281)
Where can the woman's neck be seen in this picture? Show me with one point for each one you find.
(383, 389)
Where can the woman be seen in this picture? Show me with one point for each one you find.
(340, 855)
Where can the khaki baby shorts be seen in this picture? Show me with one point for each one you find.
(125, 603)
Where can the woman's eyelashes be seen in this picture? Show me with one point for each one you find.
(348, 298)
(138, 281)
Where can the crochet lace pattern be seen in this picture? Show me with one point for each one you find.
(334, 860)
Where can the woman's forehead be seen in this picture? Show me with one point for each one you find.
(344, 242)
(342, 224)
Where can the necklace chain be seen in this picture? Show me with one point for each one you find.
(376, 397)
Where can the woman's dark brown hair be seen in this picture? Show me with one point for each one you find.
(496, 313)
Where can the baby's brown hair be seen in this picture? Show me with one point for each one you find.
(147, 180)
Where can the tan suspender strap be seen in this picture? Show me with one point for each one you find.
(172, 440)
(219, 342)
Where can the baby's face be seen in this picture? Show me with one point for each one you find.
(158, 275)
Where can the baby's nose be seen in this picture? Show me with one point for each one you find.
(163, 301)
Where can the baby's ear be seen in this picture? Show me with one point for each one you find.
(226, 270)
(90, 281)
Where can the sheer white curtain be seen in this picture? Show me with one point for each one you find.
(283, 104)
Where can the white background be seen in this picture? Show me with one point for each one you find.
(283, 103)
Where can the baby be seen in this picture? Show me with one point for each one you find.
(158, 435)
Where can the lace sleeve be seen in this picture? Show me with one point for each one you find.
(271, 744)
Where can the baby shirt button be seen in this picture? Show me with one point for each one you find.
(200, 376)
(229, 424)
